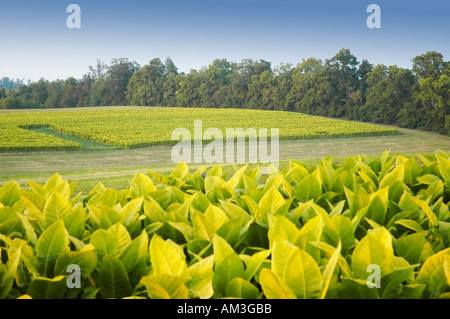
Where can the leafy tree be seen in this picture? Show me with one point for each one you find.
(283, 84)
(389, 89)
(111, 87)
(97, 71)
(241, 76)
(70, 96)
(188, 93)
(428, 65)
(434, 94)
(145, 86)
(342, 70)
(55, 93)
(39, 92)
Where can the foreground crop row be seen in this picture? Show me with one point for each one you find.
(361, 229)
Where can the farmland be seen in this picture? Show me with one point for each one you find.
(376, 228)
(139, 227)
(131, 128)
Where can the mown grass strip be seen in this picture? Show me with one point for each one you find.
(86, 144)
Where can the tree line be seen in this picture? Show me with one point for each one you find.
(340, 87)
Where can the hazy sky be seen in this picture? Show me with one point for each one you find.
(35, 41)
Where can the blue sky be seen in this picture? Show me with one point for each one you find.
(35, 41)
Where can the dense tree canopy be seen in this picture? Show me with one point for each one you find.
(341, 86)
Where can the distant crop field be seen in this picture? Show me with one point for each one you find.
(130, 128)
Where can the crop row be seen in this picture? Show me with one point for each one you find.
(133, 128)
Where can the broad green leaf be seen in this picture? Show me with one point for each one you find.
(46, 288)
(184, 228)
(393, 281)
(339, 229)
(86, 259)
(233, 231)
(31, 234)
(234, 211)
(378, 205)
(10, 222)
(105, 243)
(7, 278)
(444, 168)
(396, 175)
(254, 209)
(130, 212)
(310, 232)
(241, 288)
(136, 252)
(253, 263)
(428, 179)
(197, 179)
(38, 189)
(180, 171)
(203, 226)
(113, 281)
(413, 291)
(121, 234)
(280, 229)
(222, 250)
(53, 182)
(10, 193)
(329, 251)
(337, 209)
(410, 224)
(447, 268)
(153, 210)
(358, 199)
(329, 270)
(310, 187)
(432, 273)
(212, 182)
(159, 177)
(225, 271)
(166, 258)
(34, 202)
(271, 201)
(165, 286)
(353, 288)
(201, 274)
(75, 221)
(432, 219)
(298, 269)
(51, 244)
(274, 287)
(297, 172)
(327, 172)
(200, 202)
(233, 182)
(141, 185)
(411, 246)
(374, 249)
(217, 216)
(56, 208)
